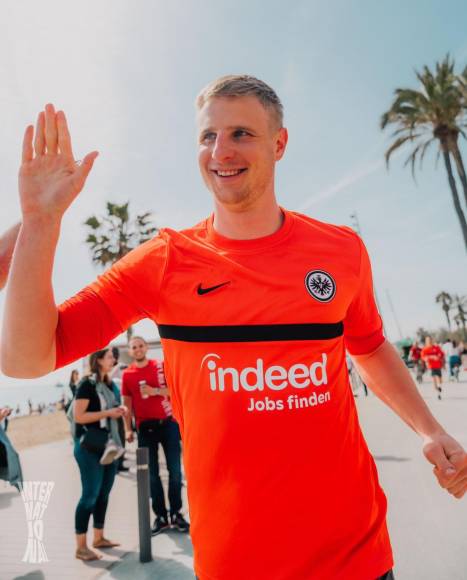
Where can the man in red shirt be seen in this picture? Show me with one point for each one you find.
(146, 395)
(256, 306)
(433, 356)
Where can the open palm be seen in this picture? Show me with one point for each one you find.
(49, 177)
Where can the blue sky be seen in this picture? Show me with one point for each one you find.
(127, 74)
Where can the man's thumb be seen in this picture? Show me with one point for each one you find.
(83, 170)
(436, 455)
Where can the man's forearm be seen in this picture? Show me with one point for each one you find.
(7, 245)
(127, 401)
(30, 316)
(388, 377)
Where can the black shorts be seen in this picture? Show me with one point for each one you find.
(436, 372)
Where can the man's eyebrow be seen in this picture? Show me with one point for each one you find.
(229, 128)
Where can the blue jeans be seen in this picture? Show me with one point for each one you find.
(168, 435)
(96, 481)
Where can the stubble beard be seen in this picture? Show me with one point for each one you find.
(242, 198)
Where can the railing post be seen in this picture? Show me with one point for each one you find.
(142, 480)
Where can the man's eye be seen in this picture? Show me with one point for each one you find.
(240, 133)
(208, 137)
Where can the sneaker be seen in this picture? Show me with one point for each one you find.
(179, 522)
(111, 452)
(120, 452)
(160, 524)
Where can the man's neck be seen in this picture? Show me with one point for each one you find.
(141, 363)
(257, 221)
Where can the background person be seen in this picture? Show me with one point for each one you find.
(10, 466)
(454, 361)
(415, 355)
(73, 383)
(155, 426)
(116, 376)
(433, 357)
(5, 412)
(94, 408)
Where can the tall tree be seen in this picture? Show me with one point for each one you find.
(446, 300)
(115, 234)
(435, 113)
(459, 304)
(421, 334)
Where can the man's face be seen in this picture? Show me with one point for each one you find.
(428, 341)
(238, 147)
(138, 349)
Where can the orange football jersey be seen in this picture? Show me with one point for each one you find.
(281, 484)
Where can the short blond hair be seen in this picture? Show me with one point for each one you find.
(243, 86)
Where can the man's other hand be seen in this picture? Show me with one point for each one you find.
(450, 463)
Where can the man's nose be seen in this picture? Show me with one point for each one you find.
(223, 148)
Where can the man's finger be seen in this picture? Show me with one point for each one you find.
(51, 134)
(64, 139)
(28, 150)
(39, 140)
(458, 486)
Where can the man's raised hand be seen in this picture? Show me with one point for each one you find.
(49, 177)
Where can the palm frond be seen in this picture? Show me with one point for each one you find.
(397, 143)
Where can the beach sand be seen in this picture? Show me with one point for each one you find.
(34, 430)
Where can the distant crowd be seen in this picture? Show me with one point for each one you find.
(435, 358)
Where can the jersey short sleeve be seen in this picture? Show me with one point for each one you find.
(85, 391)
(126, 293)
(363, 327)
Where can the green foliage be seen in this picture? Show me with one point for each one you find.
(459, 305)
(456, 304)
(113, 235)
(436, 112)
(442, 334)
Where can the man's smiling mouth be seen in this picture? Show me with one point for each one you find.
(228, 172)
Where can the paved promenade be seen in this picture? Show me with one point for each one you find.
(427, 526)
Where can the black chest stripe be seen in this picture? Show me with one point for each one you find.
(252, 332)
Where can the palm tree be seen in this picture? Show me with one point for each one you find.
(421, 334)
(436, 112)
(114, 235)
(459, 303)
(446, 301)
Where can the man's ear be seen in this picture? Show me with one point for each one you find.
(281, 142)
